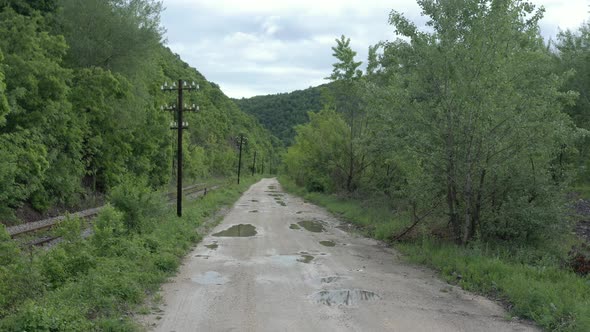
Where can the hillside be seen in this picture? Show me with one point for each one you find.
(280, 113)
(80, 105)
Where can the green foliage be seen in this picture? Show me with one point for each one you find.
(317, 160)
(462, 120)
(574, 55)
(281, 113)
(346, 68)
(116, 35)
(37, 92)
(80, 98)
(557, 300)
(139, 204)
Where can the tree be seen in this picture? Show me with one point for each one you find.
(481, 112)
(347, 100)
(120, 35)
(317, 160)
(573, 55)
(37, 94)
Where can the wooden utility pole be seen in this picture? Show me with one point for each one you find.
(179, 125)
(242, 141)
(254, 164)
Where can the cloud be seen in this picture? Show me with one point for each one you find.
(269, 46)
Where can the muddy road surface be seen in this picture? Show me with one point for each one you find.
(277, 263)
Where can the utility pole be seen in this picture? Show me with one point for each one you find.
(254, 164)
(262, 165)
(241, 142)
(179, 125)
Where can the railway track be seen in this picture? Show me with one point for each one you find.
(191, 192)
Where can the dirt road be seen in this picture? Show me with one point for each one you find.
(288, 267)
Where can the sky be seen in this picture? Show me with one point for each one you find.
(272, 46)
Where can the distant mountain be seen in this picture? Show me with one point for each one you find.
(280, 113)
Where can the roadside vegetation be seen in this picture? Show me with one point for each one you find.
(99, 283)
(463, 145)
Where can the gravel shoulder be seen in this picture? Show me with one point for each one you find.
(300, 272)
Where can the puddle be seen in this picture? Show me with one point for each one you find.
(290, 260)
(281, 203)
(210, 278)
(294, 226)
(254, 200)
(276, 196)
(305, 259)
(212, 246)
(312, 225)
(272, 187)
(286, 260)
(344, 296)
(253, 211)
(330, 279)
(328, 243)
(299, 212)
(241, 230)
(203, 256)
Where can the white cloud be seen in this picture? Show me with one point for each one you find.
(269, 46)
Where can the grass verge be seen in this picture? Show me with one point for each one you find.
(96, 284)
(534, 288)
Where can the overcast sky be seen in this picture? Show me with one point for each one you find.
(269, 46)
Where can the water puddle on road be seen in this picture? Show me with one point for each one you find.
(212, 246)
(305, 259)
(294, 226)
(328, 243)
(344, 297)
(210, 278)
(253, 211)
(241, 230)
(312, 225)
(290, 260)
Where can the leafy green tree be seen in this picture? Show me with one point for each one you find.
(346, 96)
(37, 95)
(317, 160)
(482, 115)
(117, 34)
(573, 54)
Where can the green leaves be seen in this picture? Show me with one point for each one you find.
(347, 68)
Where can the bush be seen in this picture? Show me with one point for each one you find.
(138, 203)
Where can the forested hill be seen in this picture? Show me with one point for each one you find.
(80, 104)
(280, 113)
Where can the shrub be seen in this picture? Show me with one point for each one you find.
(138, 203)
